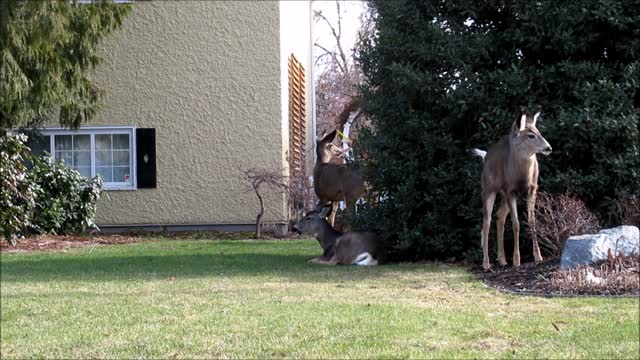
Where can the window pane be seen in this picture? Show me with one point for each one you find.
(82, 142)
(84, 170)
(121, 158)
(103, 158)
(121, 141)
(39, 144)
(66, 157)
(103, 142)
(82, 158)
(121, 174)
(63, 142)
(105, 173)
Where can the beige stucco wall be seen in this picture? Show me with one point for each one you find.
(206, 75)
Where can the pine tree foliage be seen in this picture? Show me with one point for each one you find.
(448, 75)
(47, 51)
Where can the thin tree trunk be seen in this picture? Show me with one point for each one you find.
(259, 217)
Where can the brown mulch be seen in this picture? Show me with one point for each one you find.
(620, 277)
(63, 242)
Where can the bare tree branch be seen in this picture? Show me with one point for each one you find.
(333, 56)
(344, 66)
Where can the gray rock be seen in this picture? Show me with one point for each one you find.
(587, 249)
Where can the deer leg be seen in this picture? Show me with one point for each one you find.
(531, 218)
(513, 207)
(334, 210)
(487, 208)
(501, 217)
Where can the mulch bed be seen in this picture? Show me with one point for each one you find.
(617, 277)
(63, 242)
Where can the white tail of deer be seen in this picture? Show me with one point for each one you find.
(352, 248)
(510, 168)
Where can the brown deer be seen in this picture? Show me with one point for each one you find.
(511, 168)
(334, 182)
(352, 248)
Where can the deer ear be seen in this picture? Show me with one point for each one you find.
(535, 118)
(325, 210)
(519, 125)
(329, 137)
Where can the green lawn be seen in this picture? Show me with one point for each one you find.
(248, 299)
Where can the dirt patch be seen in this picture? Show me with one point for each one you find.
(63, 242)
(616, 277)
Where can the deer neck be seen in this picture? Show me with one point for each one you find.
(322, 156)
(327, 238)
(521, 168)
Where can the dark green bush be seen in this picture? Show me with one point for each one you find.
(44, 198)
(445, 76)
(65, 200)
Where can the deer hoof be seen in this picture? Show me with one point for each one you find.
(486, 266)
(502, 262)
(538, 259)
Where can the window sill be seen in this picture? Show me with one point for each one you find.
(120, 188)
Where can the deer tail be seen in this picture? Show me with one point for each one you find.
(478, 152)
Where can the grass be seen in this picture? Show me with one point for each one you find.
(248, 299)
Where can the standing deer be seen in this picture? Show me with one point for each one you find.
(334, 182)
(352, 248)
(511, 168)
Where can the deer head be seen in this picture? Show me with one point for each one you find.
(526, 138)
(326, 149)
(313, 223)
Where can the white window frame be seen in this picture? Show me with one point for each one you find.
(93, 131)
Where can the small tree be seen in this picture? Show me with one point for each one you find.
(259, 179)
(47, 52)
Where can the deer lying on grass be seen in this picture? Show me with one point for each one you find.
(335, 182)
(352, 248)
(511, 168)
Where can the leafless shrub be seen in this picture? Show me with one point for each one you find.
(560, 216)
(627, 210)
(616, 275)
(302, 198)
(260, 179)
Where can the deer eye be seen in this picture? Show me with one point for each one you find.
(531, 136)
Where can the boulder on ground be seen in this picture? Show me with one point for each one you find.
(590, 248)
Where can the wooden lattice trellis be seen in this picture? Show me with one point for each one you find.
(297, 128)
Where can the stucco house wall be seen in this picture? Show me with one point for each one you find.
(207, 76)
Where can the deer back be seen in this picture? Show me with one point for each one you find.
(334, 182)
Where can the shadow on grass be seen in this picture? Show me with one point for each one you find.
(229, 259)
